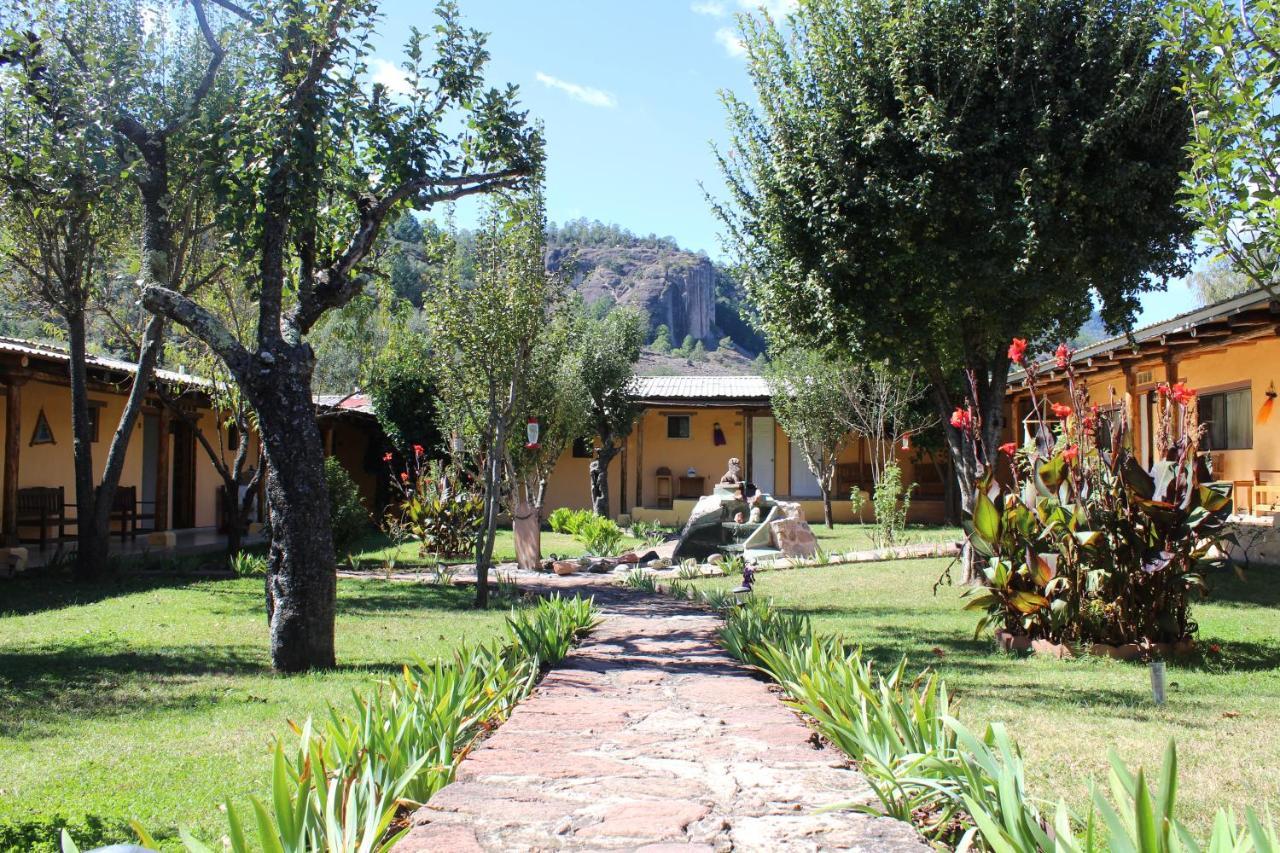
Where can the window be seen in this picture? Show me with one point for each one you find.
(1228, 418)
(43, 433)
(95, 419)
(677, 426)
(582, 448)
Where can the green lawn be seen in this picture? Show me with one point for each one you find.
(1223, 709)
(857, 537)
(154, 700)
(376, 549)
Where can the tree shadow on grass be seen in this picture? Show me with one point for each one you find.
(37, 593)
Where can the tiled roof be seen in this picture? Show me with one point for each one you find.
(353, 402)
(701, 388)
(18, 346)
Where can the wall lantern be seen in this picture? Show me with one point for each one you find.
(531, 430)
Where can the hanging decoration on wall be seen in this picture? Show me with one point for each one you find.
(531, 432)
(1264, 413)
(717, 435)
(43, 433)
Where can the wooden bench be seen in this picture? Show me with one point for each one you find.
(125, 509)
(44, 507)
(1266, 489)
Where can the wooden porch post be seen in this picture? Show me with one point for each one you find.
(12, 455)
(162, 470)
(639, 431)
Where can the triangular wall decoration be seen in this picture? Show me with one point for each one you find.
(43, 433)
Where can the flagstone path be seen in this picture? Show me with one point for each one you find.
(650, 737)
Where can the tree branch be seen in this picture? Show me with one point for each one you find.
(200, 322)
(335, 285)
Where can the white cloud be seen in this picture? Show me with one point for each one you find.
(714, 8)
(391, 76)
(728, 39)
(776, 8)
(587, 94)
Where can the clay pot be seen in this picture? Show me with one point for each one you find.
(1051, 649)
(1132, 651)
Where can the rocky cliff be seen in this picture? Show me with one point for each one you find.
(675, 288)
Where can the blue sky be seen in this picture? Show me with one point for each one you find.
(629, 96)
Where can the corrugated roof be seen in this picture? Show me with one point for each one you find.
(18, 346)
(1183, 322)
(353, 402)
(700, 388)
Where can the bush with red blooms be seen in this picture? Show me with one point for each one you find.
(433, 505)
(1081, 542)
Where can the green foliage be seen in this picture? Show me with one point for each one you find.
(347, 512)
(403, 393)
(686, 346)
(600, 535)
(435, 506)
(650, 533)
(661, 339)
(547, 630)
(1229, 55)
(641, 580)
(1087, 545)
(805, 388)
(563, 520)
(891, 502)
(247, 564)
(925, 767)
(348, 777)
(43, 834)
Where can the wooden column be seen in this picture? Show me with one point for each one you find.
(12, 456)
(639, 432)
(162, 470)
(622, 482)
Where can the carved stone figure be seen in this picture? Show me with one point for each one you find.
(733, 476)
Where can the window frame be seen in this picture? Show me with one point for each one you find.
(1204, 409)
(688, 430)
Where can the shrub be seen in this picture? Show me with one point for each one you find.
(249, 565)
(1084, 543)
(435, 507)
(347, 515)
(641, 580)
(563, 520)
(650, 532)
(43, 834)
(891, 502)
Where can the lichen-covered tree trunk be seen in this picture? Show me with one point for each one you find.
(302, 577)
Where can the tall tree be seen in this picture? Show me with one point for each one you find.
(607, 351)
(924, 181)
(484, 334)
(99, 101)
(806, 390)
(312, 162)
(1230, 56)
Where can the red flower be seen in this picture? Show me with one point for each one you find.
(1089, 423)
(1008, 448)
(1215, 649)
(417, 450)
(386, 457)
(1061, 410)
(1162, 390)
(962, 419)
(1017, 350)
(1182, 394)
(1071, 453)
(404, 476)
(1062, 354)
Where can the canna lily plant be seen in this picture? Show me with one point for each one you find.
(1082, 543)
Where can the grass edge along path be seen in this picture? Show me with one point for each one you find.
(954, 786)
(354, 779)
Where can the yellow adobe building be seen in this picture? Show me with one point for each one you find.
(1229, 352)
(689, 429)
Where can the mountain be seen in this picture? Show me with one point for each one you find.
(697, 314)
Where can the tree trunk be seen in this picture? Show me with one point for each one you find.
(301, 577)
(91, 546)
(826, 508)
(492, 499)
(600, 476)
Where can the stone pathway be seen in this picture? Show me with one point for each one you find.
(650, 737)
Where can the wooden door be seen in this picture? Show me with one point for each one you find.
(184, 475)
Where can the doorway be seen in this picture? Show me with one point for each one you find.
(184, 475)
(762, 458)
(803, 483)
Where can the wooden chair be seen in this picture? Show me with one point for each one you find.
(124, 509)
(1242, 496)
(1266, 489)
(43, 507)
